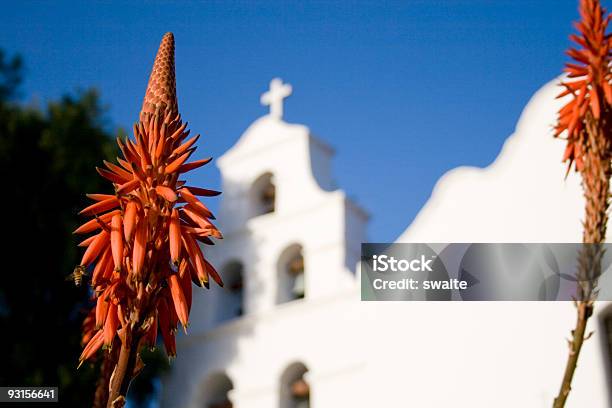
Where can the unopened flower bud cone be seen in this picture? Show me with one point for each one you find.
(161, 90)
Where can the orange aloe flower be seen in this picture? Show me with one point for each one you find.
(586, 122)
(588, 80)
(144, 250)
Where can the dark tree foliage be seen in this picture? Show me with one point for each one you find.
(47, 159)
(10, 76)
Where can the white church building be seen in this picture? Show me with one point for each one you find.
(289, 329)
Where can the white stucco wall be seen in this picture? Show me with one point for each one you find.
(516, 350)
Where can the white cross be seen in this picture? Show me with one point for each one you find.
(274, 97)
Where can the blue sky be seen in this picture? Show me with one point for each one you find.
(403, 91)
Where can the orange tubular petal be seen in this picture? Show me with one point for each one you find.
(109, 175)
(193, 165)
(118, 170)
(201, 220)
(202, 191)
(174, 232)
(127, 152)
(201, 210)
(203, 232)
(101, 310)
(183, 268)
(94, 224)
(167, 193)
(183, 148)
(87, 241)
(578, 55)
(90, 349)
(213, 272)
(182, 137)
(178, 132)
(196, 258)
(579, 164)
(165, 328)
(195, 204)
(149, 136)
(162, 315)
(140, 146)
(564, 93)
(101, 266)
(99, 197)
(575, 71)
(139, 250)
(95, 248)
(108, 271)
(128, 187)
(607, 92)
(178, 298)
(568, 108)
(117, 241)
(111, 324)
(206, 232)
(159, 149)
(134, 155)
(174, 166)
(131, 210)
(174, 320)
(138, 172)
(595, 103)
(193, 275)
(578, 40)
(188, 196)
(186, 219)
(112, 293)
(569, 152)
(125, 164)
(185, 279)
(574, 85)
(101, 206)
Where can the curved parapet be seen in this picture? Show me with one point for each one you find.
(522, 196)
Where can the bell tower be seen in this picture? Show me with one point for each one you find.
(296, 237)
